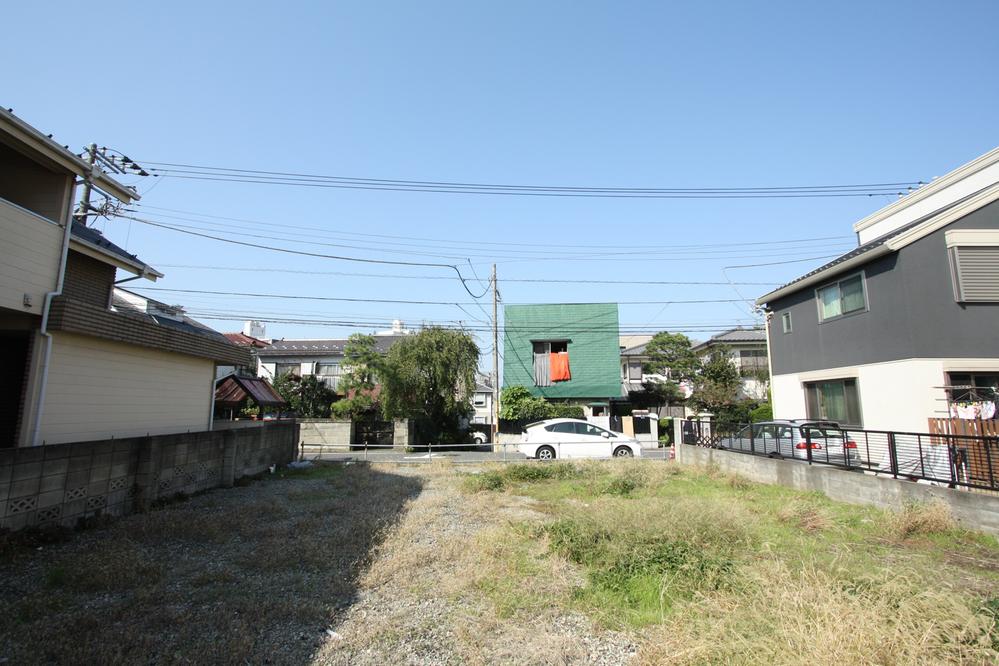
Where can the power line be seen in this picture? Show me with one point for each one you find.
(231, 174)
(688, 256)
(408, 302)
(461, 278)
(446, 277)
(438, 241)
(599, 253)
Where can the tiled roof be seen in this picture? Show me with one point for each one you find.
(244, 340)
(231, 391)
(333, 347)
(95, 237)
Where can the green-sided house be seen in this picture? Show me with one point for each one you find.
(564, 352)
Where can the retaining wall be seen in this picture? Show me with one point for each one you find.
(973, 510)
(58, 484)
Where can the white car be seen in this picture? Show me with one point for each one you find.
(575, 438)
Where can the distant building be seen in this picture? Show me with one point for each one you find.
(564, 352)
(747, 349)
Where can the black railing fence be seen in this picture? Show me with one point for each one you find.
(958, 461)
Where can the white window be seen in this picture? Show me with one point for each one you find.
(841, 298)
(635, 370)
(329, 374)
(785, 320)
(287, 369)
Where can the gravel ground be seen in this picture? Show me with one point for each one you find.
(356, 564)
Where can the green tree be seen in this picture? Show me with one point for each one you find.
(362, 363)
(671, 354)
(716, 387)
(430, 376)
(307, 396)
(518, 404)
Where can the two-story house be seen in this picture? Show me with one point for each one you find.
(82, 359)
(747, 349)
(883, 335)
(564, 352)
(322, 358)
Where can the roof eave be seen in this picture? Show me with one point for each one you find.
(53, 152)
(823, 275)
(926, 191)
(101, 254)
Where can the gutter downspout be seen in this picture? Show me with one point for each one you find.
(36, 428)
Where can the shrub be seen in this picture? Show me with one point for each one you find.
(922, 518)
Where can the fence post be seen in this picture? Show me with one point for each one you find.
(922, 463)
(808, 444)
(988, 461)
(892, 455)
(752, 439)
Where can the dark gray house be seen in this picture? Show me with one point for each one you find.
(894, 332)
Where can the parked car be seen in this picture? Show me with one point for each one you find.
(792, 438)
(575, 438)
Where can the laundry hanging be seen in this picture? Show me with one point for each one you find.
(560, 367)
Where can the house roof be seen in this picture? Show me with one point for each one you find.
(735, 336)
(92, 242)
(890, 242)
(232, 390)
(329, 347)
(24, 136)
(184, 323)
(245, 340)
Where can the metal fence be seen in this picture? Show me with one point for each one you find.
(471, 453)
(954, 460)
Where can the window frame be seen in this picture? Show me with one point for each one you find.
(296, 369)
(812, 386)
(836, 283)
(785, 322)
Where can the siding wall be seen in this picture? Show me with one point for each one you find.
(31, 247)
(913, 313)
(99, 389)
(594, 352)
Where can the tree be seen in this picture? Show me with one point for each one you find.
(656, 394)
(671, 355)
(363, 363)
(716, 387)
(307, 396)
(430, 376)
(518, 404)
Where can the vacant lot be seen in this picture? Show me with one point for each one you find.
(606, 563)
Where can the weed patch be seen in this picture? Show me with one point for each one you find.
(923, 518)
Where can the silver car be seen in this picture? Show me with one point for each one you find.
(825, 440)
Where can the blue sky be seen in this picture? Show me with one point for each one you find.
(610, 94)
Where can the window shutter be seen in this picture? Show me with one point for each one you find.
(977, 273)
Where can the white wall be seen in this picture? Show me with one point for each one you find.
(30, 262)
(898, 395)
(99, 389)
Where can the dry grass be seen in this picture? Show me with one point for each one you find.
(924, 518)
(805, 516)
(811, 617)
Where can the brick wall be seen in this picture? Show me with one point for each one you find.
(88, 280)
(74, 316)
(62, 483)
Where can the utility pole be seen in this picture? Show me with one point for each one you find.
(495, 415)
(84, 206)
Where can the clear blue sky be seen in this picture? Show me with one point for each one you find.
(612, 94)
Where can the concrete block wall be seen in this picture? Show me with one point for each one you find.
(59, 484)
(326, 432)
(972, 509)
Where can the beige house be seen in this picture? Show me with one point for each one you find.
(83, 359)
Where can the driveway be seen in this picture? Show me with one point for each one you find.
(425, 455)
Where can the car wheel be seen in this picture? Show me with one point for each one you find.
(479, 441)
(546, 453)
(623, 452)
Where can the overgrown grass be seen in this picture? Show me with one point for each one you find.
(711, 568)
